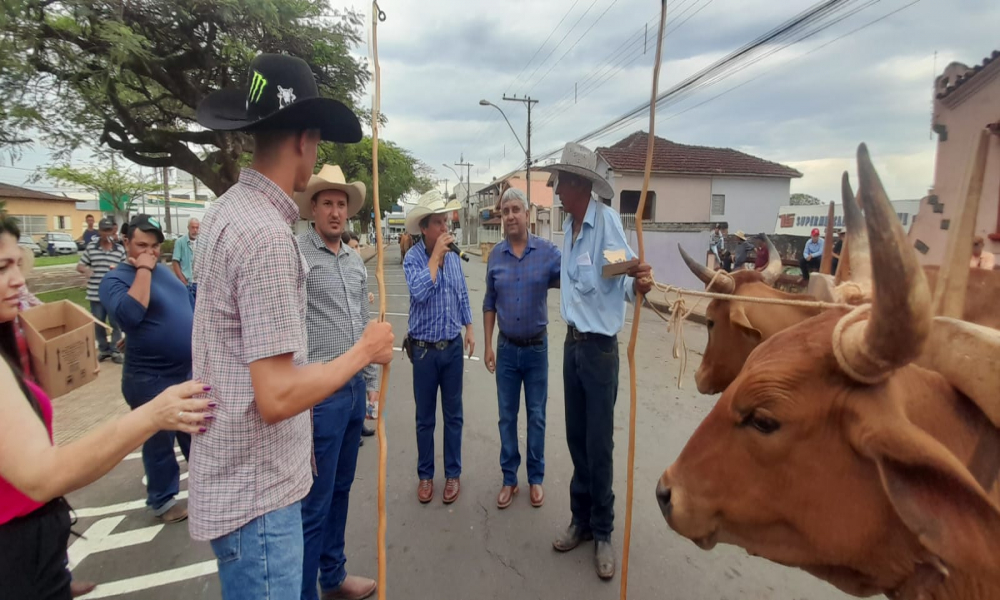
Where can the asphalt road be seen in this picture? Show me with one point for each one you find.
(469, 549)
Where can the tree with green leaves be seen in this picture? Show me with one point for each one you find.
(399, 172)
(129, 75)
(119, 186)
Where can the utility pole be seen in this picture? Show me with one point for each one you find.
(466, 234)
(527, 101)
(166, 198)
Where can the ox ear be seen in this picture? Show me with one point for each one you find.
(937, 497)
(738, 317)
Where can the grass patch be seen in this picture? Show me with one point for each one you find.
(76, 294)
(48, 261)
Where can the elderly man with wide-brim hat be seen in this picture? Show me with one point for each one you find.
(251, 470)
(439, 308)
(593, 308)
(337, 312)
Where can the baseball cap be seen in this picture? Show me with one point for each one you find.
(106, 223)
(146, 223)
(815, 232)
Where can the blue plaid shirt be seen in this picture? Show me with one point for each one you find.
(516, 288)
(438, 309)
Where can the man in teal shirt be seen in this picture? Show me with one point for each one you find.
(183, 258)
(594, 310)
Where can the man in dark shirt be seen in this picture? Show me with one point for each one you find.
(762, 255)
(838, 247)
(89, 233)
(154, 310)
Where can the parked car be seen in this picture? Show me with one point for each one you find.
(25, 241)
(56, 243)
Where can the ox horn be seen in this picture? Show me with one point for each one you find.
(900, 320)
(774, 267)
(724, 282)
(857, 234)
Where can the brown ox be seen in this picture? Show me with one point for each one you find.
(832, 453)
(736, 328)
(405, 243)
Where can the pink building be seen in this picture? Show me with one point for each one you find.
(966, 100)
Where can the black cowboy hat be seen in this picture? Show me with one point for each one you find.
(281, 94)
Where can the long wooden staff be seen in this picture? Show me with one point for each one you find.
(383, 448)
(630, 471)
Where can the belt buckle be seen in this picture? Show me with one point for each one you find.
(441, 345)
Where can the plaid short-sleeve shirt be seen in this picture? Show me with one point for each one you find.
(251, 305)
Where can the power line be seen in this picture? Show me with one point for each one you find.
(554, 48)
(519, 73)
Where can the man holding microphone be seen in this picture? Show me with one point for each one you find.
(439, 308)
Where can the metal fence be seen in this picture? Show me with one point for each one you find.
(489, 235)
(628, 221)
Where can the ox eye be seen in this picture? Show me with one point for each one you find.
(709, 323)
(761, 423)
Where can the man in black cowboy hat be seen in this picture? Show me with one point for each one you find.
(251, 471)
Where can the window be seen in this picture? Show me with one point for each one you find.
(62, 222)
(718, 205)
(630, 204)
(32, 225)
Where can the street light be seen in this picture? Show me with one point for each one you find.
(527, 101)
(453, 171)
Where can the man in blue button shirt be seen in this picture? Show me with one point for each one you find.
(439, 308)
(594, 310)
(812, 255)
(520, 271)
(154, 310)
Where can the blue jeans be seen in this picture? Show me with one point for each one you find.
(193, 291)
(516, 365)
(263, 559)
(158, 459)
(101, 314)
(590, 382)
(336, 431)
(433, 369)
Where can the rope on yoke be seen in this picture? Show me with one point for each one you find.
(630, 471)
(383, 449)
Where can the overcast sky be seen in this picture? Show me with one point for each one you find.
(805, 106)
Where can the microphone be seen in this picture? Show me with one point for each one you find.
(454, 248)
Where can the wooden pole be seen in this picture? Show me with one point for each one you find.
(383, 447)
(630, 470)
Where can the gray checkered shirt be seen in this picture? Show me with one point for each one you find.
(337, 295)
(251, 305)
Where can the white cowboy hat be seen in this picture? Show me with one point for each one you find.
(330, 177)
(580, 161)
(431, 203)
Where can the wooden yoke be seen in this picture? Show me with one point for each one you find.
(949, 295)
(826, 263)
(383, 448)
(630, 471)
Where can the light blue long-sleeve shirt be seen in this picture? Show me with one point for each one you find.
(813, 249)
(589, 302)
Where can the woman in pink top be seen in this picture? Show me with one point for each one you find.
(35, 474)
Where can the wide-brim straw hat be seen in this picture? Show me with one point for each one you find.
(741, 235)
(431, 203)
(330, 177)
(578, 160)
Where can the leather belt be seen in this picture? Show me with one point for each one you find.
(581, 336)
(537, 340)
(435, 345)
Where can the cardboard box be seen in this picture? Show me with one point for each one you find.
(60, 336)
(617, 263)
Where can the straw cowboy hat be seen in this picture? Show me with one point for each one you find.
(281, 94)
(431, 203)
(330, 177)
(741, 235)
(578, 160)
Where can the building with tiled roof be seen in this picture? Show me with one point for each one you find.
(966, 102)
(40, 212)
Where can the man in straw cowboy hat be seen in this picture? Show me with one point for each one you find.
(743, 250)
(249, 473)
(336, 315)
(594, 310)
(439, 308)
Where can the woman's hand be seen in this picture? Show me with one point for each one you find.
(176, 408)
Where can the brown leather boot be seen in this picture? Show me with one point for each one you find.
(452, 488)
(572, 538)
(506, 496)
(537, 495)
(425, 491)
(353, 588)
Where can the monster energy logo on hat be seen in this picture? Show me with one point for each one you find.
(257, 86)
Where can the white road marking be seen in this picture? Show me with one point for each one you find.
(100, 511)
(145, 582)
(183, 476)
(98, 538)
